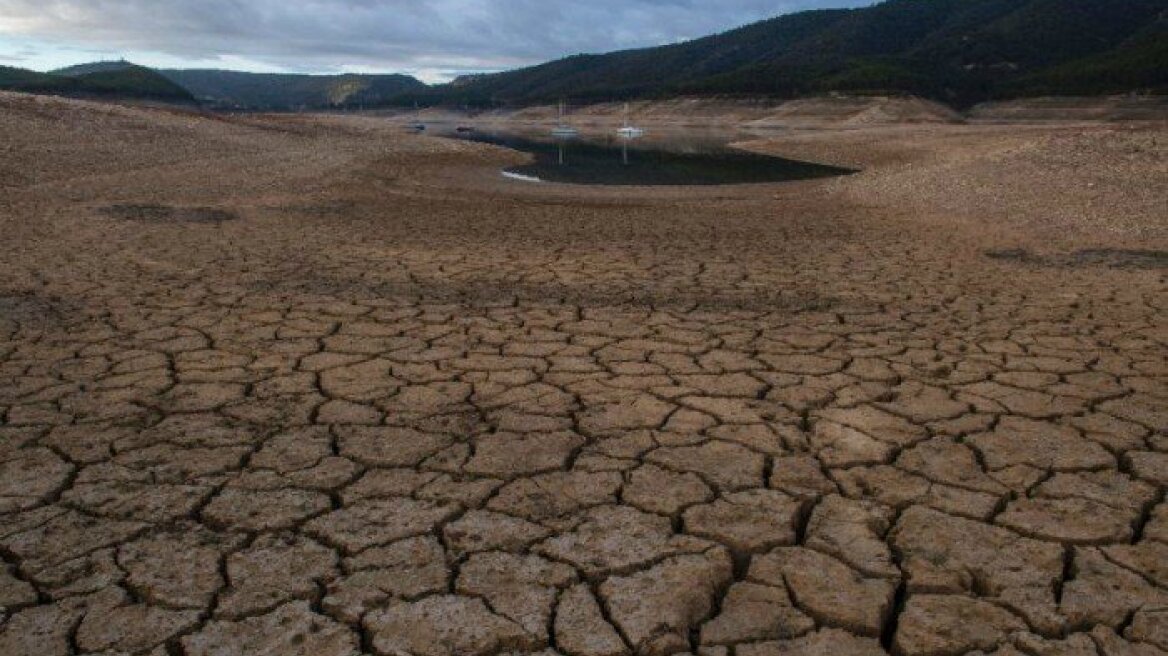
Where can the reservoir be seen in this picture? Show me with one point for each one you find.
(661, 159)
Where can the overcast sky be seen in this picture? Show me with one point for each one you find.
(433, 39)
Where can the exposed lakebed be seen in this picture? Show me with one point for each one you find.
(665, 159)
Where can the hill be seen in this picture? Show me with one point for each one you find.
(94, 67)
(264, 91)
(118, 80)
(957, 51)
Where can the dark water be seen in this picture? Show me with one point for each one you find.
(651, 160)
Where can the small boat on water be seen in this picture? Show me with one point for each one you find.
(628, 131)
(563, 130)
(464, 129)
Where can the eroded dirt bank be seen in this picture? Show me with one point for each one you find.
(309, 385)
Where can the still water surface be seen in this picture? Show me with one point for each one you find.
(662, 158)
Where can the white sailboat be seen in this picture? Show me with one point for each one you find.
(564, 130)
(628, 131)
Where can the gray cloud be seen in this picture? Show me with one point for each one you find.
(413, 35)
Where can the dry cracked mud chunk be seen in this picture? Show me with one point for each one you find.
(640, 412)
(1111, 644)
(825, 642)
(580, 627)
(1017, 441)
(943, 460)
(995, 397)
(837, 445)
(201, 397)
(59, 535)
(290, 630)
(390, 446)
(825, 588)
(899, 489)
(752, 612)
(656, 608)
(167, 463)
(726, 411)
(946, 625)
(85, 444)
(804, 364)
(29, 477)
(192, 431)
(273, 570)
(1150, 625)
(945, 554)
(1148, 411)
(406, 569)
(39, 631)
(362, 382)
(91, 573)
(178, 568)
(1115, 434)
(264, 510)
(383, 483)
(654, 489)
(50, 629)
(1112, 488)
(509, 455)
(736, 384)
(294, 450)
(132, 629)
(801, 477)
(444, 625)
(379, 521)
(853, 531)
(470, 492)
(483, 530)
(1074, 521)
(1100, 592)
(877, 424)
(549, 496)
(1076, 644)
(346, 413)
(747, 522)
(1156, 527)
(14, 592)
(618, 539)
(142, 501)
(922, 404)
(725, 465)
(1149, 466)
(521, 588)
(1149, 558)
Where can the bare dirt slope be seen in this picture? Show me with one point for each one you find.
(310, 385)
(825, 111)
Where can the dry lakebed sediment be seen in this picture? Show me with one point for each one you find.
(311, 385)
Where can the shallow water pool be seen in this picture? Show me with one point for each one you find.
(669, 160)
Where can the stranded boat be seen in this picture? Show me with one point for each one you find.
(563, 130)
(628, 131)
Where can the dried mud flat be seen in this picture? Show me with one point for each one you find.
(399, 405)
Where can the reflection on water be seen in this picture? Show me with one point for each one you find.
(671, 158)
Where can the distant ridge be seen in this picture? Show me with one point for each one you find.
(282, 92)
(957, 51)
(112, 66)
(112, 80)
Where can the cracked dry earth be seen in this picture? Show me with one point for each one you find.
(309, 386)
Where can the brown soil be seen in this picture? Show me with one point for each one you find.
(312, 385)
